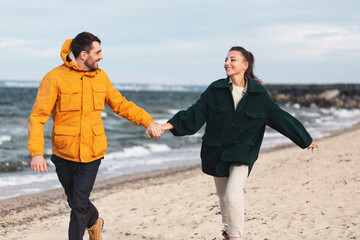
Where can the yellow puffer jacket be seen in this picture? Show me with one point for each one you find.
(75, 99)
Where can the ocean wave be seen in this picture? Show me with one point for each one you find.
(311, 114)
(103, 114)
(4, 138)
(157, 160)
(12, 166)
(346, 113)
(137, 151)
(16, 180)
(296, 105)
(173, 111)
(158, 147)
(21, 84)
(161, 121)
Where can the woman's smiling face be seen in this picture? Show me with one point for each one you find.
(235, 64)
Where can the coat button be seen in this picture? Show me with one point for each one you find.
(231, 124)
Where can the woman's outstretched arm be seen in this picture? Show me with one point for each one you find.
(167, 126)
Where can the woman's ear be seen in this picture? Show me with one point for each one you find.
(246, 65)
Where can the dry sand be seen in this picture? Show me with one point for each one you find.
(291, 194)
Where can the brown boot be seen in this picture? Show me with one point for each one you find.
(225, 235)
(95, 230)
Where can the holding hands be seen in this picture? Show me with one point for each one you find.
(155, 130)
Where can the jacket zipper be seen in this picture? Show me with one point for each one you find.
(81, 113)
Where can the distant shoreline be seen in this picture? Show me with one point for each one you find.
(324, 96)
(294, 88)
(338, 95)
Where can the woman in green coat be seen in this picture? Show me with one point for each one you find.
(236, 111)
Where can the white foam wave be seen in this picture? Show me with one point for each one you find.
(296, 106)
(173, 111)
(311, 114)
(26, 179)
(22, 84)
(128, 152)
(161, 121)
(157, 160)
(159, 147)
(4, 139)
(104, 114)
(345, 113)
(137, 151)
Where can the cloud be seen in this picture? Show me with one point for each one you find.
(30, 48)
(316, 41)
(45, 53)
(12, 42)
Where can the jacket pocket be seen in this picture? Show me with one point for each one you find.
(253, 121)
(99, 97)
(237, 154)
(66, 140)
(213, 136)
(70, 101)
(99, 141)
(255, 115)
(218, 108)
(217, 115)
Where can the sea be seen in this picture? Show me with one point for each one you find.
(129, 149)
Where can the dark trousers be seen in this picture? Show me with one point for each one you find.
(78, 180)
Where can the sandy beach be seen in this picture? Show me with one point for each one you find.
(291, 194)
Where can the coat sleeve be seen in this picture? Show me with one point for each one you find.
(188, 122)
(124, 108)
(285, 123)
(40, 114)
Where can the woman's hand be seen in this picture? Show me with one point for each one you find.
(312, 146)
(167, 126)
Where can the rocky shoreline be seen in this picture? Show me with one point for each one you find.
(324, 96)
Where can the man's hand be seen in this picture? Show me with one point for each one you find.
(154, 130)
(38, 164)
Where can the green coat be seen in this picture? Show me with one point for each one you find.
(235, 137)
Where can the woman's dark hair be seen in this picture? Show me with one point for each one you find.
(83, 42)
(249, 57)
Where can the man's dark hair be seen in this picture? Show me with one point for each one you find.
(83, 42)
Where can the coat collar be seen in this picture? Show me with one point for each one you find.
(252, 86)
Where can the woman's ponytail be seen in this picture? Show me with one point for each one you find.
(249, 57)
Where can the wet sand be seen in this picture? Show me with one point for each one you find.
(291, 194)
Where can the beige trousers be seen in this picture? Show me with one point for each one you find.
(230, 191)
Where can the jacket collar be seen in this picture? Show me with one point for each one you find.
(252, 86)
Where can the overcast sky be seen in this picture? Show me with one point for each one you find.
(186, 41)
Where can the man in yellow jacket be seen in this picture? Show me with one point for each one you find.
(74, 94)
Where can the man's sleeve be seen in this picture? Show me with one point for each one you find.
(124, 108)
(44, 104)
